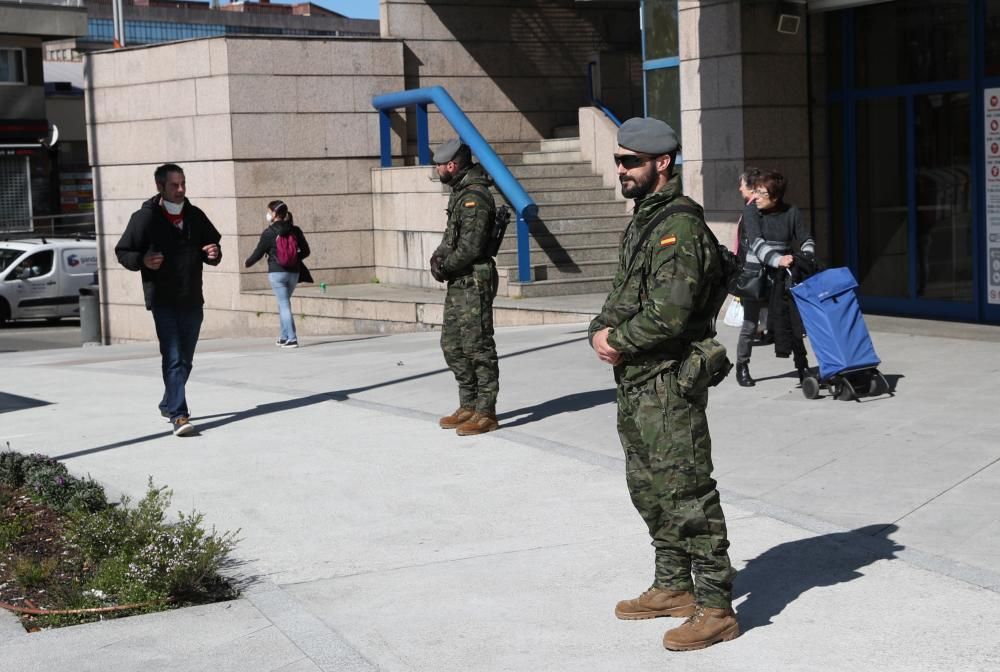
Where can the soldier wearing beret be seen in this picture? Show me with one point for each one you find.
(461, 261)
(668, 266)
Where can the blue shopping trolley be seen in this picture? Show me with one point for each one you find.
(832, 318)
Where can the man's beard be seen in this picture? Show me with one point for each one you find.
(640, 186)
(446, 178)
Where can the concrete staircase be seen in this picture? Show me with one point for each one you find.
(574, 241)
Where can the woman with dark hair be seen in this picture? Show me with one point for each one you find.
(774, 234)
(285, 246)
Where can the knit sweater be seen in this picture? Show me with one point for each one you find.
(774, 233)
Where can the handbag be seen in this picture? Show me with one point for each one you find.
(751, 283)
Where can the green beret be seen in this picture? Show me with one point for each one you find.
(446, 151)
(646, 135)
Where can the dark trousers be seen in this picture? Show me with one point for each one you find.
(177, 329)
(751, 315)
(744, 345)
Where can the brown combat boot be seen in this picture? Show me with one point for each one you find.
(479, 423)
(656, 602)
(457, 418)
(708, 626)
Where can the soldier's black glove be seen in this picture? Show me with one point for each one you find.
(436, 261)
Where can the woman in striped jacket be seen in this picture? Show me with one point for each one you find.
(774, 234)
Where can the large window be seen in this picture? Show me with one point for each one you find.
(911, 42)
(151, 32)
(12, 66)
(904, 117)
(991, 36)
(660, 61)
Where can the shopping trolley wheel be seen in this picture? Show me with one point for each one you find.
(878, 384)
(810, 387)
(844, 391)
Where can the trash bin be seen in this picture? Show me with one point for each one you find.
(90, 315)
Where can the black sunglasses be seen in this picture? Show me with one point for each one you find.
(631, 161)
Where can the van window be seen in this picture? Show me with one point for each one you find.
(8, 257)
(39, 264)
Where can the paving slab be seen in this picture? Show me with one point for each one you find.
(865, 533)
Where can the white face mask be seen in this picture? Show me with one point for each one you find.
(268, 217)
(172, 208)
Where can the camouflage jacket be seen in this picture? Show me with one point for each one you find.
(471, 211)
(659, 306)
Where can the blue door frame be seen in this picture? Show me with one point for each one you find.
(978, 310)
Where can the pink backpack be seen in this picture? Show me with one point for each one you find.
(287, 250)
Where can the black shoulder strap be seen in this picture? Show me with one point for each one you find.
(673, 209)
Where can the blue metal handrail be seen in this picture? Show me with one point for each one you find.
(594, 100)
(512, 190)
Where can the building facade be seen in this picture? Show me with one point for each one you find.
(156, 21)
(881, 115)
(27, 192)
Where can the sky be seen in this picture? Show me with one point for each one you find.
(356, 9)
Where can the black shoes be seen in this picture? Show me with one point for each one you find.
(743, 375)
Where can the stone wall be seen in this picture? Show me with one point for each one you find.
(518, 69)
(598, 144)
(249, 120)
(408, 210)
(744, 101)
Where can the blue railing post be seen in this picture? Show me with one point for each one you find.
(385, 137)
(508, 185)
(423, 136)
(523, 243)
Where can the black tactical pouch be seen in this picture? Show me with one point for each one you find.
(705, 366)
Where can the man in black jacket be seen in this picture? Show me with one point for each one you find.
(168, 240)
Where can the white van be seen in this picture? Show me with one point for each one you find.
(41, 278)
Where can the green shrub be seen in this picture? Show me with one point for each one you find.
(139, 555)
(48, 481)
(12, 468)
(12, 530)
(33, 574)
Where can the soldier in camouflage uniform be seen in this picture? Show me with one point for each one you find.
(462, 262)
(658, 305)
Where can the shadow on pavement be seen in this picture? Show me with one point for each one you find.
(777, 577)
(222, 419)
(14, 402)
(567, 404)
(893, 380)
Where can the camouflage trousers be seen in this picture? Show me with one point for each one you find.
(668, 468)
(467, 337)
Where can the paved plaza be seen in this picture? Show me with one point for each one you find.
(866, 533)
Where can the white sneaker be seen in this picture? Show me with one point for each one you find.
(290, 344)
(183, 426)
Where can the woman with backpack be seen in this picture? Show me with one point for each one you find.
(285, 246)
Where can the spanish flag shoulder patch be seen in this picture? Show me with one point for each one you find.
(470, 204)
(668, 241)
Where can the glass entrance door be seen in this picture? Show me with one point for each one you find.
(943, 269)
(904, 91)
